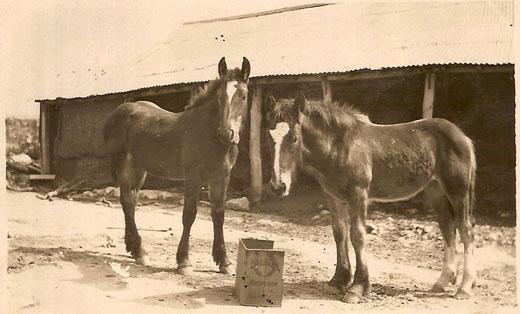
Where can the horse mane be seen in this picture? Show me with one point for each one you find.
(204, 94)
(210, 89)
(334, 114)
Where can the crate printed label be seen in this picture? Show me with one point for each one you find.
(264, 265)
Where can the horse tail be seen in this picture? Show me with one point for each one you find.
(115, 132)
(472, 179)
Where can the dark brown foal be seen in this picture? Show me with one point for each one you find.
(199, 144)
(355, 161)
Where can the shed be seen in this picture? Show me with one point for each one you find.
(397, 61)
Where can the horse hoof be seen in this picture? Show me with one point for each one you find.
(185, 271)
(437, 288)
(462, 295)
(143, 260)
(226, 270)
(351, 297)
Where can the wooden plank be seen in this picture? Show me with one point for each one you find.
(257, 14)
(45, 138)
(318, 78)
(42, 177)
(254, 145)
(429, 96)
(372, 75)
(327, 90)
(304, 78)
(379, 74)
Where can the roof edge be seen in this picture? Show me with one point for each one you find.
(267, 79)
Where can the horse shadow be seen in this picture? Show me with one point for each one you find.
(95, 271)
(301, 290)
(94, 267)
(220, 295)
(226, 295)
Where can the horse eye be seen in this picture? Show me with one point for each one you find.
(292, 137)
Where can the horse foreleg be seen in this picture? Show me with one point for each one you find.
(218, 191)
(442, 206)
(357, 208)
(343, 274)
(189, 212)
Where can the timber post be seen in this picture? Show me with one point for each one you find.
(45, 138)
(427, 113)
(255, 153)
(327, 90)
(429, 96)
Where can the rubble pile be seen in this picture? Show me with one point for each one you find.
(19, 167)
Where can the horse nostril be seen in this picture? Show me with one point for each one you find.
(283, 187)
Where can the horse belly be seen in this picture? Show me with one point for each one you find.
(160, 160)
(400, 178)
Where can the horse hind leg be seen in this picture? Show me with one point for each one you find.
(465, 227)
(460, 200)
(439, 201)
(130, 182)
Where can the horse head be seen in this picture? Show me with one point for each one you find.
(232, 100)
(285, 144)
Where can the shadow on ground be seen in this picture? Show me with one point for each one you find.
(306, 201)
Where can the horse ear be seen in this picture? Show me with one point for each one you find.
(270, 103)
(222, 68)
(246, 69)
(300, 101)
(197, 90)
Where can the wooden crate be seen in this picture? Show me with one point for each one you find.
(259, 273)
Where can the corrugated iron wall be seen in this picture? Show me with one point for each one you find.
(80, 132)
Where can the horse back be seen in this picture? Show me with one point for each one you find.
(128, 118)
(436, 134)
(405, 157)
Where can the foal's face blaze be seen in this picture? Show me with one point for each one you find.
(285, 155)
(232, 99)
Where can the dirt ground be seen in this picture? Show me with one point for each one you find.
(64, 256)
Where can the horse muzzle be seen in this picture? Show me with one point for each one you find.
(279, 189)
(228, 136)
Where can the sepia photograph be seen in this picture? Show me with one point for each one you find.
(296, 156)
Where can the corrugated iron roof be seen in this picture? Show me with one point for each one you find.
(334, 38)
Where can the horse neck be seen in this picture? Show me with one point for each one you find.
(316, 143)
(207, 114)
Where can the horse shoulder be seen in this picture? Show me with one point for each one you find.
(352, 162)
